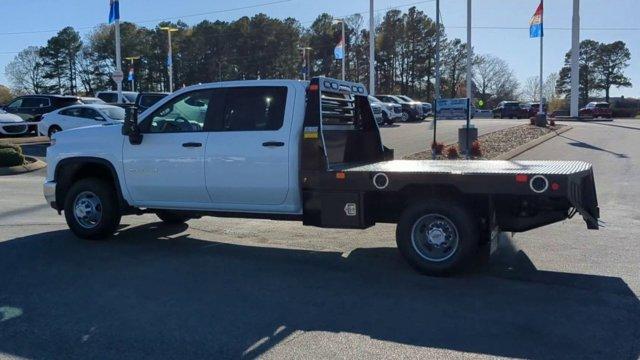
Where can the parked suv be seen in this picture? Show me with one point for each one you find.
(426, 107)
(111, 97)
(508, 109)
(146, 100)
(390, 111)
(411, 111)
(32, 107)
(533, 109)
(596, 109)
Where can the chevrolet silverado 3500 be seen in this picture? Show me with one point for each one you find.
(307, 151)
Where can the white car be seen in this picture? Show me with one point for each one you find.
(10, 124)
(79, 116)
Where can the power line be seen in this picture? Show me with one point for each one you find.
(157, 20)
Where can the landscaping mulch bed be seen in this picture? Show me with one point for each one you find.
(496, 143)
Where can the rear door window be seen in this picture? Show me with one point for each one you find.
(74, 112)
(35, 102)
(257, 108)
(108, 97)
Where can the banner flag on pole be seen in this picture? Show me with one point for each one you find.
(338, 51)
(131, 75)
(535, 24)
(114, 11)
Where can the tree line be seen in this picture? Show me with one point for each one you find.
(265, 47)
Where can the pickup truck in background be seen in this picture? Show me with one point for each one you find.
(305, 151)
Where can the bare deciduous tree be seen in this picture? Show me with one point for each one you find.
(494, 80)
(26, 71)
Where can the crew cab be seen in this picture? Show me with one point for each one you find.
(305, 151)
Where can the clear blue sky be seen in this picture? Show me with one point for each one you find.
(513, 45)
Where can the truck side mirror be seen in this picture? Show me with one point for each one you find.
(130, 127)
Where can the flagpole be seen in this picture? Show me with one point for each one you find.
(344, 48)
(541, 108)
(372, 70)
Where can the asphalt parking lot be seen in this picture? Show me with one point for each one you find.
(412, 137)
(227, 288)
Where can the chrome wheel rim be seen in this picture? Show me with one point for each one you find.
(434, 237)
(405, 116)
(87, 209)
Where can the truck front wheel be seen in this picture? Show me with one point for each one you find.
(91, 209)
(437, 237)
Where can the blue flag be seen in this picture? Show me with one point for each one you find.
(114, 11)
(338, 51)
(535, 24)
(131, 74)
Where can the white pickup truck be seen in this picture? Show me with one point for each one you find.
(308, 151)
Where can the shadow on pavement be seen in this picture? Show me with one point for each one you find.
(615, 125)
(582, 144)
(156, 292)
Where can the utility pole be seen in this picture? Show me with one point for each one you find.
(372, 59)
(575, 58)
(132, 78)
(169, 30)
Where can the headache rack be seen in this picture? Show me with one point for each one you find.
(339, 126)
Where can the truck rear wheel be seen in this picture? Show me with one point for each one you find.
(437, 237)
(91, 209)
(172, 217)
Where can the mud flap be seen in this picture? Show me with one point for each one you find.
(582, 194)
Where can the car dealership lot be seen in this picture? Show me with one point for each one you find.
(226, 288)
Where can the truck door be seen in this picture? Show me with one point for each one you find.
(247, 154)
(167, 168)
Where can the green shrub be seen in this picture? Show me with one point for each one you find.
(15, 148)
(10, 157)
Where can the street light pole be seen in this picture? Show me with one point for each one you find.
(575, 58)
(118, 59)
(372, 70)
(133, 81)
(169, 30)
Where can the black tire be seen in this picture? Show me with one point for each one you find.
(109, 209)
(172, 217)
(52, 130)
(452, 261)
(385, 119)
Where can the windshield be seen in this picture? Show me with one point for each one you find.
(512, 104)
(115, 113)
(406, 98)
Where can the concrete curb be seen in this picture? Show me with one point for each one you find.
(531, 144)
(583, 119)
(34, 165)
(33, 140)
